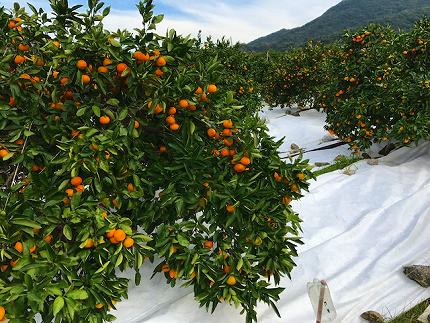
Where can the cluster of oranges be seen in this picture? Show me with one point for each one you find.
(226, 135)
(292, 186)
(117, 236)
(360, 38)
(78, 187)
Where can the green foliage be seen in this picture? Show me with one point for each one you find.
(210, 208)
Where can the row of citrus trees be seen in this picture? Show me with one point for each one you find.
(373, 83)
(119, 148)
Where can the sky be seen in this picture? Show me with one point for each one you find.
(239, 20)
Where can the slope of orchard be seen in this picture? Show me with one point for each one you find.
(118, 148)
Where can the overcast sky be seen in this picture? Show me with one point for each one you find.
(241, 20)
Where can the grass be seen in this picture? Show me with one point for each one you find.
(339, 164)
(411, 315)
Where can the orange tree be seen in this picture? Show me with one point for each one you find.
(294, 77)
(379, 89)
(238, 72)
(116, 147)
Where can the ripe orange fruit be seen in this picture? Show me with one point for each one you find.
(136, 124)
(286, 200)
(3, 268)
(19, 247)
(212, 88)
(245, 161)
(159, 72)
(226, 269)
(110, 233)
(228, 142)
(229, 208)
(81, 64)
(165, 268)
(226, 132)
(19, 59)
(174, 127)
(215, 152)
(11, 24)
(56, 43)
(225, 152)
(106, 61)
(239, 168)
(158, 109)
(89, 243)
(23, 47)
(48, 238)
(2, 313)
(294, 188)
(80, 188)
(19, 141)
(121, 67)
(3, 153)
(69, 192)
(227, 124)
(66, 201)
(104, 120)
(102, 69)
(301, 176)
(119, 235)
(199, 90)
(55, 74)
(156, 52)
(211, 132)
(12, 101)
(99, 306)
(171, 111)
(171, 120)
(162, 149)
(75, 181)
(183, 103)
(161, 61)
(139, 56)
(33, 249)
(173, 274)
(208, 244)
(85, 79)
(231, 280)
(130, 187)
(64, 81)
(128, 242)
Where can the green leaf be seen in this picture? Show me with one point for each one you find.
(123, 114)
(182, 240)
(96, 110)
(112, 102)
(58, 305)
(78, 294)
(81, 112)
(28, 133)
(67, 231)
(26, 223)
(239, 264)
(192, 127)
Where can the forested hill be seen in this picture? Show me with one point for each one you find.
(348, 14)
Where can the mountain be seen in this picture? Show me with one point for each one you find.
(348, 14)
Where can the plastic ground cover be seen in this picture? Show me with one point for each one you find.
(359, 232)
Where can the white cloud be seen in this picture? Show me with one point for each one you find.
(241, 22)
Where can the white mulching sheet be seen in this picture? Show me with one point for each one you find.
(359, 232)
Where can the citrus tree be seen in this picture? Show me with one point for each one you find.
(118, 148)
(379, 89)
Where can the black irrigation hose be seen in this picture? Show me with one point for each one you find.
(337, 144)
